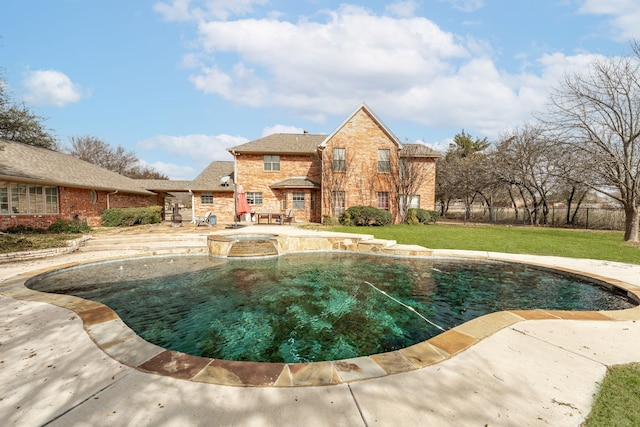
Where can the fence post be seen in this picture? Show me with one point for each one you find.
(587, 224)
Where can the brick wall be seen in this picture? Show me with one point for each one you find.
(222, 206)
(253, 177)
(361, 138)
(77, 204)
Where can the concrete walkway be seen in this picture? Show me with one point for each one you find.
(532, 373)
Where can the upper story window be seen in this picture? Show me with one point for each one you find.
(254, 198)
(271, 163)
(339, 159)
(384, 160)
(206, 198)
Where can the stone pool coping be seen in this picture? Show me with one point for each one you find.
(109, 333)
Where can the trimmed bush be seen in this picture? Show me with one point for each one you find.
(127, 217)
(421, 216)
(65, 226)
(365, 216)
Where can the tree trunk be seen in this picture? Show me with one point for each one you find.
(631, 223)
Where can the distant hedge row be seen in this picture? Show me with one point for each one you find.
(126, 217)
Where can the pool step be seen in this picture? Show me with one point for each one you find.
(249, 249)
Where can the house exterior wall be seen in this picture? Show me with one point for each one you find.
(253, 177)
(77, 204)
(222, 206)
(361, 182)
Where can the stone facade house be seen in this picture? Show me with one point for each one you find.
(39, 186)
(360, 163)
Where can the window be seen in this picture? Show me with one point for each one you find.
(337, 202)
(414, 202)
(93, 196)
(18, 198)
(206, 198)
(271, 163)
(383, 200)
(4, 198)
(312, 201)
(384, 161)
(254, 198)
(298, 200)
(284, 201)
(51, 199)
(339, 159)
(36, 198)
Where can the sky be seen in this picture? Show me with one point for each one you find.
(178, 82)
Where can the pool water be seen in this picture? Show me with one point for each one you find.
(314, 307)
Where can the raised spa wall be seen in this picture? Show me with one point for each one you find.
(221, 245)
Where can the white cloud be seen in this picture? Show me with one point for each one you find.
(195, 10)
(281, 129)
(405, 68)
(465, 5)
(403, 9)
(173, 171)
(625, 15)
(200, 150)
(51, 87)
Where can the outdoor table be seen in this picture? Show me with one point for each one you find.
(269, 216)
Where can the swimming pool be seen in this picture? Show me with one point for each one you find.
(305, 307)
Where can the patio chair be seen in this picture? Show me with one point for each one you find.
(287, 217)
(203, 220)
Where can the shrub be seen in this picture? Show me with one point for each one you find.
(65, 226)
(24, 229)
(328, 220)
(365, 216)
(421, 216)
(127, 217)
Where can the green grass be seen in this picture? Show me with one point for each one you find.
(605, 245)
(617, 402)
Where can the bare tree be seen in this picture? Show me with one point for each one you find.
(531, 163)
(119, 160)
(598, 114)
(336, 172)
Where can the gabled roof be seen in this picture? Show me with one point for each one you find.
(282, 143)
(37, 165)
(364, 107)
(210, 179)
(418, 150)
(295, 182)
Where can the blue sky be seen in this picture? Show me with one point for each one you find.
(180, 81)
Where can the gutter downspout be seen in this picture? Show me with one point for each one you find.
(235, 186)
(110, 194)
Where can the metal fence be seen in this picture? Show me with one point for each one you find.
(587, 217)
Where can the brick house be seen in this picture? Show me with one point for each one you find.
(360, 163)
(39, 186)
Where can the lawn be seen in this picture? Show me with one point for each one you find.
(606, 245)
